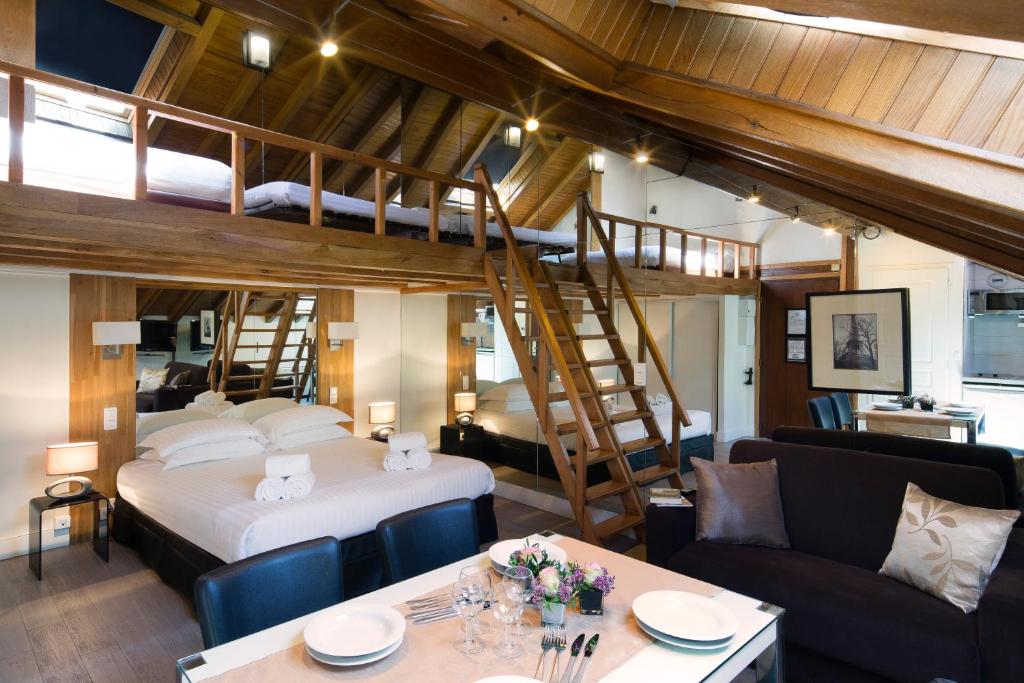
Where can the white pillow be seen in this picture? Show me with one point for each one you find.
(172, 439)
(508, 393)
(312, 435)
(506, 406)
(278, 425)
(152, 379)
(207, 452)
(209, 410)
(254, 410)
(148, 423)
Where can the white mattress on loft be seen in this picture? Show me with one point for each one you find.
(281, 194)
(650, 256)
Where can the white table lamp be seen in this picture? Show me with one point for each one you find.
(382, 414)
(111, 335)
(68, 458)
(465, 404)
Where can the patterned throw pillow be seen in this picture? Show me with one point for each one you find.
(152, 379)
(947, 549)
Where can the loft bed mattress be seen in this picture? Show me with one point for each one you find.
(286, 195)
(650, 258)
(523, 425)
(211, 504)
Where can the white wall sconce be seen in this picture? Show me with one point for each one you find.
(470, 332)
(111, 335)
(465, 404)
(256, 51)
(382, 414)
(339, 333)
(68, 458)
(513, 136)
(595, 161)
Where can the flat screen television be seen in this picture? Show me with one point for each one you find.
(157, 335)
(194, 344)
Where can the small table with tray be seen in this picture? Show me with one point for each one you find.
(892, 416)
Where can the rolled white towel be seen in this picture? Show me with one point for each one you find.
(406, 441)
(418, 458)
(287, 465)
(270, 488)
(395, 461)
(210, 398)
(299, 485)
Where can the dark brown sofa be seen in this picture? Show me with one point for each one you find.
(174, 397)
(844, 621)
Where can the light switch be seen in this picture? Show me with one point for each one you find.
(334, 395)
(110, 418)
(640, 374)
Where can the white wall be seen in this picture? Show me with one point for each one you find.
(424, 364)
(33, 394)
(735, 399)
(378, 356)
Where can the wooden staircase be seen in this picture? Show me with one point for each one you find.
(551, 346)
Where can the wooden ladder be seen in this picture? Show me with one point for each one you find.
(551, 344)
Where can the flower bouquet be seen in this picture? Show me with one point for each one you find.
(532, 557)
(555, 589)
(597, 583)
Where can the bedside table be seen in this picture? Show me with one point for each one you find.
(466, 441)
(36, 508)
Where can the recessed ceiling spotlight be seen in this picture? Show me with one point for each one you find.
(754, 197)
(532, 124)
(641, 158)
(328, 48)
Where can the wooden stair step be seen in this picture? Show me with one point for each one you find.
(619, 389)
(563, 396)
(582, 311)
(607, 489)
(264, 346)
(637, 445)
(596, 337)
(653, 473)
(629, 416)
(594, 457)
(573, 427)
(607, 362)
(618, 524)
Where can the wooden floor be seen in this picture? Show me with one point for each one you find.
(92, 621)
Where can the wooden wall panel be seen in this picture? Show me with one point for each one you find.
(335, 368)
(97, 384)
(461, 359)
(18, 31)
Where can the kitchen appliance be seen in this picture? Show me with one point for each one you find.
(1004, 302)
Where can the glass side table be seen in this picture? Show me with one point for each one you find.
(36, 508)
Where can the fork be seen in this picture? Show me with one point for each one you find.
(559, 648)
(546, 643)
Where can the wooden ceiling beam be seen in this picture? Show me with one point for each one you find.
(555, 190)
(364, 178)
(536, 155)
(476, 149)
(387, 108)
(161, 14)
(288, 110)
(145, 300)
(447, 122)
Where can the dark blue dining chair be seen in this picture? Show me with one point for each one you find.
(843, 409)
(822, 414)
(420, 540)
(268, 589)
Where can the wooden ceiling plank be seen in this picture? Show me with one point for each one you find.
(145, 300)
(185, 302)
(447, 123)
(289, 109)
(556, 189)
(476, 149)
(161, 14)
(387, 108)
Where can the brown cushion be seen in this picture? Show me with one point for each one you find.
(181, 379)
(739, 503)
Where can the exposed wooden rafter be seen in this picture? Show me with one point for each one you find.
(446, 124)
(476, 149)
(555, 190)
(289, 108)
(161, 14)
(389, 106)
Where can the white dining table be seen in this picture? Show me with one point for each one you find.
(755, 644)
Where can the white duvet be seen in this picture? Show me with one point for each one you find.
(212, 505)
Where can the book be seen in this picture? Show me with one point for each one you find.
(665, 497)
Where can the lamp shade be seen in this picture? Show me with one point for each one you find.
(114, 333)
(465, 402)
(68, 458)
(382, 412)
(340, 331)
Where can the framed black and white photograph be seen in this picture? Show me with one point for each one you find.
(207, 327)
(796, 349)
(859, 341)
(796, 321)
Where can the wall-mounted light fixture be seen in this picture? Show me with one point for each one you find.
(111, 335)
(382, 414)
(470, 332)
(465, 404)
(256, 51)
(595, 161)
(512, 136)
(338, 333)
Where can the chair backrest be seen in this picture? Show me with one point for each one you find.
(843, 505)
(420, 540)
(843, 409)
(823, 416)
(268, 589)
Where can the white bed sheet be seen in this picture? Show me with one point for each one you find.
(650, 256)
(282, 194)
(523, 425)
(211, 504)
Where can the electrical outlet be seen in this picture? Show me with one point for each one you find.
(110, 418)
(61, 522)
(334, 396)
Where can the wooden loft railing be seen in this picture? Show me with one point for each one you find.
(143, 109)
(738, 247)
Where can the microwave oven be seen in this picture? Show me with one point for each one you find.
(1004, 302)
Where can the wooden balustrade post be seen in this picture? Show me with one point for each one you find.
(611, 277)
(753, 262)
(380, 196)
(16, 138)
(479, 211)
(684, 239)
(140, 141)
(721, 259)
(703, 256)
(316, 188)
(581, 230)
(237, 174)
(638, 245)
(434, 233)
(662, 249)
(736, 261)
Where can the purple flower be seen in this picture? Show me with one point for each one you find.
(604, 583)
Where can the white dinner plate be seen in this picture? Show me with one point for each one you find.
(886, 405)
(354, 661)
(347, 631)
(961, 404)
(958, 412)
(499, 552)
(680, 642)
(685, 615)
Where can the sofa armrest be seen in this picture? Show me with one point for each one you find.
(999, 613)
(668, 530)
(175, 398)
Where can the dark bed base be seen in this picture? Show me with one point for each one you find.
(527, 456)
(179, 562)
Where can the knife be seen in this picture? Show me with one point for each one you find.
(577, 645)
(591, 646)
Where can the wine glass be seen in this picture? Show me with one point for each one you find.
(508, 607)
(467, 601)
(522, 577)
(484, 576)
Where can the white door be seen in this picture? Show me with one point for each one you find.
(936, 324)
